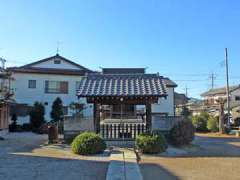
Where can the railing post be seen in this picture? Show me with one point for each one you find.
(134, 131)
(110, 131)
(126, 131)
(114, 131)
(131, 134)
(107, 131)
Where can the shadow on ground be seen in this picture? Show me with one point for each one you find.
(26, 157)
(22, 167)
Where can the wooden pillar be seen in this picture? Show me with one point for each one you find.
(96, 117)
(149, 116)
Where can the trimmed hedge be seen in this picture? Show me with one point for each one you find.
(88, 143)
(151, 143)
(182, 133)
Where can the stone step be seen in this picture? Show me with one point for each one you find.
(126, 144)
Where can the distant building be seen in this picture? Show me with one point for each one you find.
(211, 96)
(180, 99)
(44, 81)
(211, 99)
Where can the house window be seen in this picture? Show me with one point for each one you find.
(59, 87)
(32, 84)
(65, 110)
(237, 98)
(57, 61)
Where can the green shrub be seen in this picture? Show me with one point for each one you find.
(26, 127)
(37, 116)
(13, 126)
(88, 143)
(151, 143)
(182, 133)
(200, 122)
(212, 124)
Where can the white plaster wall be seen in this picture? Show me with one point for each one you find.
(50, 64)
(165, 105)
(234, 94)
(23, 94)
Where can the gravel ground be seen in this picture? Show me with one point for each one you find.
(25, 156)
(210, 158)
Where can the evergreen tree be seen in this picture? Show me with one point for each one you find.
(57, 110)
(186, 113)
(37, 115)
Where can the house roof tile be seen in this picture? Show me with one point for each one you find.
(95, 85)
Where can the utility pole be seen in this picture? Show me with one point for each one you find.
(227, 88)
(212, 77)
(186, 91)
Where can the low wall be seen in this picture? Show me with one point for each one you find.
(74, 126)
(164, 123)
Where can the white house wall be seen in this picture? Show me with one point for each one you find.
(50, 64)
(165, 105)
(26, 95)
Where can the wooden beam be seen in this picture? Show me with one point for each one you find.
(96, 117)
(126, 100)
(149, 116)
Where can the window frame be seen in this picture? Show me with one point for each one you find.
(237, 98)
(62, 89)
(32, 86)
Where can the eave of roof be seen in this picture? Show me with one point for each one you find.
(48, 71)
(169, 82)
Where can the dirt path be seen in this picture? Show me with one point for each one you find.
(215, 158)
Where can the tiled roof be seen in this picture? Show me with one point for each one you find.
(169, 82)
(95, 85)
(222, 90)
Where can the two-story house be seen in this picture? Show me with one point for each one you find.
(212, 96)
(44, 81)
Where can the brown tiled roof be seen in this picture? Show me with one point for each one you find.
(123, 85)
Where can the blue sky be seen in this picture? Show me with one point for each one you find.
(183, 40)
